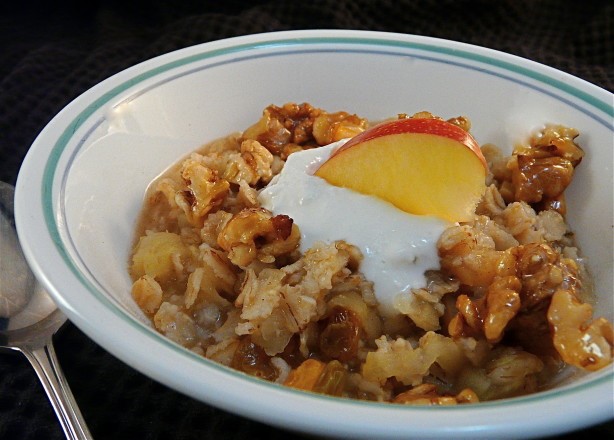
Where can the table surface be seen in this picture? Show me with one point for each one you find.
(50, 54)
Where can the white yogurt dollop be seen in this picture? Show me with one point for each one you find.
(397, 247)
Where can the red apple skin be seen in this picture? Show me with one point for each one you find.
(436, 127)
(432, 142)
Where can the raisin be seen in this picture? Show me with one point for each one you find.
(251, 359)
(341, 335)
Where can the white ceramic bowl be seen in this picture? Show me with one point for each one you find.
(81, 187)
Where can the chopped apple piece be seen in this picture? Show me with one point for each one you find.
(424, 166)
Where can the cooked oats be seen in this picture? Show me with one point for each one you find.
(224, 277)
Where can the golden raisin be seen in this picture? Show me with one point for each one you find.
(251, 359)
(341, 336)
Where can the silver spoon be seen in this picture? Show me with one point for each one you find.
(29, 318)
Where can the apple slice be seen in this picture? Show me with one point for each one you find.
(423, 166)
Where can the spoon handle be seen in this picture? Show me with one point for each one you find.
(47, 367)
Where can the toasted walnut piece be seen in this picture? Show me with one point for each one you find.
(332, 127)
(542, 170)
(251, 165)
(461, 121)
(468, 321)
(470, 255)
(580, 343)
(556, 140)
(269, 131)
(487, 316)
(147, 293)
(518, 279)
(206, 191)
(536, 179)
(421, 115)
(426, 394)
(542, 271)
(502, 304)
(279, 126)
(254, 234)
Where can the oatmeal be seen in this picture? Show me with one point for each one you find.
(221, 267)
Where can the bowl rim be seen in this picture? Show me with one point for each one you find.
(37, 179)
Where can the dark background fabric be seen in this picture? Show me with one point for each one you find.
(50, 52)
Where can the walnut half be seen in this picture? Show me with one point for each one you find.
(255, 234)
